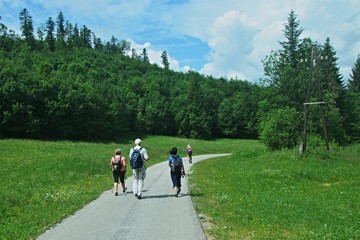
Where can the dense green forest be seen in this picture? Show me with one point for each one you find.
(66, 83)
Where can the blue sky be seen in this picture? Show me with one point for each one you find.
(222, 38)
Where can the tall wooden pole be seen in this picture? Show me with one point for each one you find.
(307, 103)
(307, 100)
(321, 107)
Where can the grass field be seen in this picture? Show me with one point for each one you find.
(260, 195)
(252, 194)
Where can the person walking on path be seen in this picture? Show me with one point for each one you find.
(189, 152)
(138, 156)
(177, 170)
(118, 166)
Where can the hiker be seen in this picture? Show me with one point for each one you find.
(189, 152)
(118, 166)
(177, 170)
(138, 156)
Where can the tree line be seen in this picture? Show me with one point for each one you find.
(66, 83)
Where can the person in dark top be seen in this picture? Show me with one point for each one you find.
(177, 169)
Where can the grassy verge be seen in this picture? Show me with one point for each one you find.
(255, 194)
(252, 194)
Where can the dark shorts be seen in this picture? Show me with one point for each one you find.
(120, 175)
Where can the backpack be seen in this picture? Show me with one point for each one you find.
(117, 164)
(136, 160)
(176, 162)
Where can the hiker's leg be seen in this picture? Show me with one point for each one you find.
(173, 178)
(178, 179)
(135, 182)
(122, 180)
(142, 175)
(116, 181)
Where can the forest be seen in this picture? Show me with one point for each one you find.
(66, 83)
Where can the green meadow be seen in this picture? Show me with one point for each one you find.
(252, 194)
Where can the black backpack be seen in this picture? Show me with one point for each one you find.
(136, 160)
(176, 162)
(117, 164)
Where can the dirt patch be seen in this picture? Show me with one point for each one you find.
(206, 224)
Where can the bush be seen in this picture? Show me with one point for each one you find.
(281, 129)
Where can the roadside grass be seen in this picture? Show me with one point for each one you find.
(255, 194)
(252, 194)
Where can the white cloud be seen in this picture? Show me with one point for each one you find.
(230, 39)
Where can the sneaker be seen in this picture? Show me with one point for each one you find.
(124, 190)
(139, 197)
(136, 195)
(116, 194)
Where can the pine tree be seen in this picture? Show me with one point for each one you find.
(288, 76)
(145, 57)
(165, 60)
(112, 44)
(60, 32)
(292, 33)
(26, 26)
(75, 37)
(41, 32)
(85, 35)
(354, 81)
(352, 123)
(332, 79)
(50, 38)
(97, 42)
(68, 32)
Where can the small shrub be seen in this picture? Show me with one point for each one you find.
(281, 129)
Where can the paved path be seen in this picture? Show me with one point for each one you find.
(158, 215)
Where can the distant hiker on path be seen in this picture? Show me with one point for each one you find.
(138, 156)
(189, 153)
(176, 170)
(118, 166)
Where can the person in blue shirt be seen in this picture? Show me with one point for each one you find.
(177, 169)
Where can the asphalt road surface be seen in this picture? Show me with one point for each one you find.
(158, 215)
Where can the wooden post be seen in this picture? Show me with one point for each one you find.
(320, 103)
(321, 107)
(307, 100)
